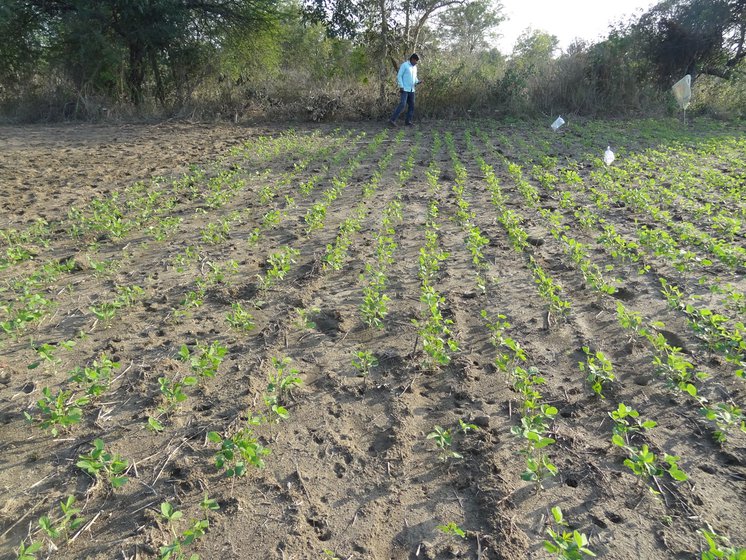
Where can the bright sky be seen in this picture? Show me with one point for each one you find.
(567, 19)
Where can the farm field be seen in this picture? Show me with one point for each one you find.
(355, 342)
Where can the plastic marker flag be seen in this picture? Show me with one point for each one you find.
(558, 123)
(682, 90)
(609, 156)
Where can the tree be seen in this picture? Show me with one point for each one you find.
(85, 38)
(534, 50)
(694, 36)
(470, 27)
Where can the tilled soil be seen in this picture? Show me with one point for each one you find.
(351, 471)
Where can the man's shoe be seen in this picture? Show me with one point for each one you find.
(392, 124)
(409, 124)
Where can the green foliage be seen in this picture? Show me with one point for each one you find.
(451, 528)
(58, 412)
(239, 318)
(364, 361)
(104, 465)
(599, 370)
(28, 552)
(443, 440)
(204, 360)
(565, 544)
(195, 530)
(69, 521)
(238, 451)
(96, 377)
(719, 549)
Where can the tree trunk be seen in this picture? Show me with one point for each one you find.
(137, 72)
(407, 28)
(384, 53)
(159, 92)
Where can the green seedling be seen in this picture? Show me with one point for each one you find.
(443, 440)
(193, 298)
(254, 236)
(216, 233)
(169, 514)
(204, 360)
(28, 552)
(566, 545)
(627, 422)
(217, 273)
(727, 417)
(70, 521)
(451, 528)
(189, 256)
(364, 361)
(374, 309)
(465, 427)
(165, 228)
(282, 379)
(47, 353)
(196, 530)
(104, 465)
(315, 217)
(172, 391)
(58, 412)
(238, 451)
(104, 312)
(719, 548)
(644, 463)
(208, 504)
(240, 319)
(96, 377)
(32, 309)
(304, 319)
(278, 265)
(599, 370)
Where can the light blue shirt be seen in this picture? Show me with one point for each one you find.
(407, 76)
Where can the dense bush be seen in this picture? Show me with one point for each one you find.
(252, 59)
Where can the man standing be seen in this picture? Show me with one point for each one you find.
(407, 80)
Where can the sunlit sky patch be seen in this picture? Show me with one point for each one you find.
(566, 19)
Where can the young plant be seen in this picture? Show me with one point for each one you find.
(197, 529)
(28, 552)
(58, 412)
(364, 361)
(373, 309)
(69, 522)
(644, 463)
(104, 465)
(304, 320)
(240, 319)
(238, 451)
(566, 545)
(96, 377)
(451, 528)
(599, 370)
(726, 417)
(719, 548)
(282, 379)
(278, 265)
(627, 422)
(443, 440)
(204, 360)
(465, 427)
(47, 353)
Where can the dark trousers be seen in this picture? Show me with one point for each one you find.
(407, 98)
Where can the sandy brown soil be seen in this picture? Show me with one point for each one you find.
(351, 473)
